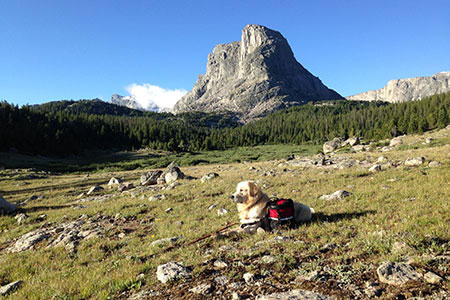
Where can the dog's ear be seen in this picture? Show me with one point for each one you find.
(252, 188)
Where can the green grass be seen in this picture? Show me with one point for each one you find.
(363, 227)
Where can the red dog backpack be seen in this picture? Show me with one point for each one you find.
(280, 212)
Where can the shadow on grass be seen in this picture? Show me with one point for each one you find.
(41, 208)
(331, 218)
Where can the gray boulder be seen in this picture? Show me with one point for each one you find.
(150, 178)
(171, 271)
(114, 181)
(397, 141)
(173, 173)
(332, 145)
(202, 289)
(295, 295)
(6, 207)
(434, 164)
(350, 141)
(414, 161)
(164, 241)
(6, 289)
(397, 273)
(125, 186)
(94, 190)
(375, 168)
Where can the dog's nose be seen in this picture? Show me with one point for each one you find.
(232, 197)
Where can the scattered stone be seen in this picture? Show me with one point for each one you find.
(20, 218)
(173, 173)
(397, 273)
(164, 241)
(114, 181)
(202, 289)
(415, 161)
(249, 277)
(338, 195)
(221, 280)
(157, 197)
(222, 211)
(121, 235)
(173, 185)
(350, 141)
(28, 240)
(208, 177)
(381, 159)
(212, 206)
(143, 295)
(295, 295)
(409, 199)
(268, 259)
(428, 140)
(171, 271)
(332, 145)
(220, 264)
(150, 178)
(227, 248)
(94, 189)
(327, 247)
(11, 287)
(432, 278)
(434, 164)
(169, 210)
(401, 247)
(125, 186)
(6, 207)
(375, 168)
(397, 141)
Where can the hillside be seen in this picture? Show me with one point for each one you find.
(64, 243)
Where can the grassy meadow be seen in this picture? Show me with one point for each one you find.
(347, 238)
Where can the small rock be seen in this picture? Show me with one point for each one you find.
(220, 264)
(169, 210)
(125, 186)
(268, 259)
(114, 181)
(327, 247)
(163, 241)
(375, 168)
(397, 273)
(432, 278)
(428, 140)
(295, 295)
(94, 189)
(121, 235)
(20, 218)
(415, 161)
(332, 145)
(209, 176)
(249, 277)
(156, 197)
(381, 159)
(202, 289)
(221, 280)
(171, 271)
(397, 141)
(434, 164)
(212, 206)
(401, 247)
(222, 212)
(173, 185)
(338, 195)
(6, 289)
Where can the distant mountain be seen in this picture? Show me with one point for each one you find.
(400, 90)
(131, 102)
(92, 107)
(252, 77)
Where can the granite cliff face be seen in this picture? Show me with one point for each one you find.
(400, 90)
(254, 76)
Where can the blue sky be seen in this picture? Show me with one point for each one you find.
(52, 50)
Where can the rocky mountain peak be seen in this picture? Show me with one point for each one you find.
(400, 90)
(253, 76)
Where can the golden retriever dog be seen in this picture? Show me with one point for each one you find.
(252, 206)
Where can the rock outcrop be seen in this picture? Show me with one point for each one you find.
(127, 101)
(400, 90)
(253, 76)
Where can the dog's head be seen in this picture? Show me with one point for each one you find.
(245, 192)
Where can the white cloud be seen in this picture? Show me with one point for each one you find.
(148, 96)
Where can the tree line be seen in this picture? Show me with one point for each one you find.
(53, 129)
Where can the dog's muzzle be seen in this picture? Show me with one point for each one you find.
(236, 199)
